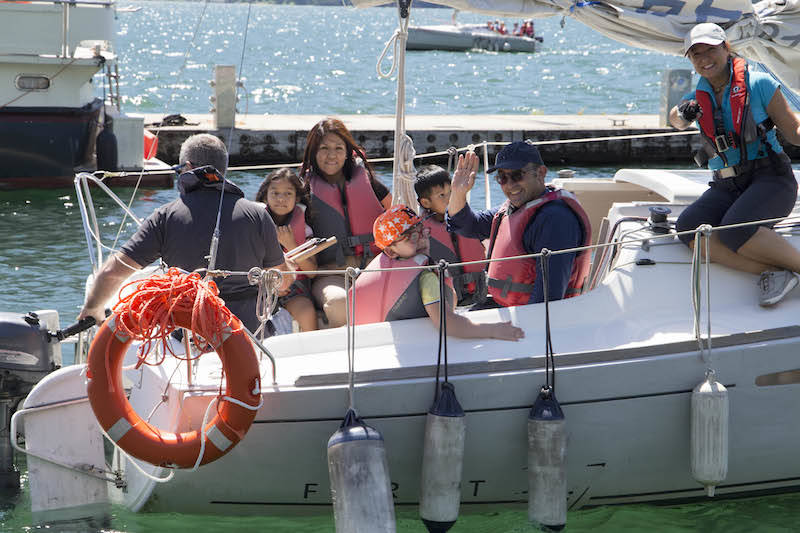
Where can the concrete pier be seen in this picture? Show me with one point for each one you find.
(273, 139)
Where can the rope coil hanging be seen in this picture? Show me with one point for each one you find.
(403, 171)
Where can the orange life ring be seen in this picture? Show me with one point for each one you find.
(173, 450)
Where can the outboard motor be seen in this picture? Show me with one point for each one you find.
(28, 352)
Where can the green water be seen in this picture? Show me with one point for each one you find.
(771, 514)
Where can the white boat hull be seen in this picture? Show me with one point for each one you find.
(627, 361)
(465, 37)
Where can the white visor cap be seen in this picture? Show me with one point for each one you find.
(705, 33)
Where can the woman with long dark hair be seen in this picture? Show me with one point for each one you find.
(345, 201)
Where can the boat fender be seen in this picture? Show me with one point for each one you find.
(159, 447)
(709, 433)
(547, 469)
(106, 147)
(442, 461)
(359, 475)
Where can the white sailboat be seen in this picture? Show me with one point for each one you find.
(628, 354)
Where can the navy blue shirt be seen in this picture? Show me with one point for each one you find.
(554, 226)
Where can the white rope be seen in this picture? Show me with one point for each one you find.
(203, 434)
(403, 172)
(268, 282)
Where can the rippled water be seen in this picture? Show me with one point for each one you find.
(321, 60)
(305, 59)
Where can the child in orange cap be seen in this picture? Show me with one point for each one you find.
(393, 289)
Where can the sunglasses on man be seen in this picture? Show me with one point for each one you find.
(514, 175)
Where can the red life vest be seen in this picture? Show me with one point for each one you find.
(511, 282)
(455, 248)
(393, 295)
(712, 127)
(347, 215)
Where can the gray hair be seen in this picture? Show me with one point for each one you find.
(203, 149)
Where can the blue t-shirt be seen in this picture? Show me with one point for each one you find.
(762, 88)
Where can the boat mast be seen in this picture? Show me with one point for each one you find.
(403, 170)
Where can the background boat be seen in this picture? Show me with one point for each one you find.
(467, 37)
(51, 121)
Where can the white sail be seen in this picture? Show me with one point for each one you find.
(767, 32)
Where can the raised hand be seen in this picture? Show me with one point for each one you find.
(463, 181)
(464, 174)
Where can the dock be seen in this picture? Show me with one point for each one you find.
(579, 140)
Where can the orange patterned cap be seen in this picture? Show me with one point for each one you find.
(392, 223)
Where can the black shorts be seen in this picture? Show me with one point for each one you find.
(770, 193)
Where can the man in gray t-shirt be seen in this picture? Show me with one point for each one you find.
(180, 234)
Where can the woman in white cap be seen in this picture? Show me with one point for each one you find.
(737, 112)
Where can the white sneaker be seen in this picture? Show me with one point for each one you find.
(774, 285)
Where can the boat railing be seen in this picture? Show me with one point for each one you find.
(91, 228)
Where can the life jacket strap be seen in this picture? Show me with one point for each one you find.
(506, 286)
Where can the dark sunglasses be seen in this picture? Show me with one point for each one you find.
(514, 175)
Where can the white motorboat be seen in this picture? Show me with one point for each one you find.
(467, 37)
(50, 119)
(627, 359)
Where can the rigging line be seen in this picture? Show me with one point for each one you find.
(549, 359)
(158, 131)
(441, 328)
(212, 259)
(524, 256)
(471, 147)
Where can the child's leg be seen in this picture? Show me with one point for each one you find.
(302, 309)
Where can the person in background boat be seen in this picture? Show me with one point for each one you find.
(752, 176)
(403, 293)
(180, 234)
(516, 31)
(345, 201)
(502, 29)
(490, 25)
(529, 28)
(534, 216)
(287, 203)
(432, 185)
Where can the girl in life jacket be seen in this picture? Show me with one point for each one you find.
(346, 200)
(386, 292)
(287, 204)
(736, 111)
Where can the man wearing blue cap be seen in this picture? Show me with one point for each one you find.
(534, 216)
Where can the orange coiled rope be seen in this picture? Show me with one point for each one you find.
(146, 314)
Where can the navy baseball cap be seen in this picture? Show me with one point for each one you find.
(516, 155)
